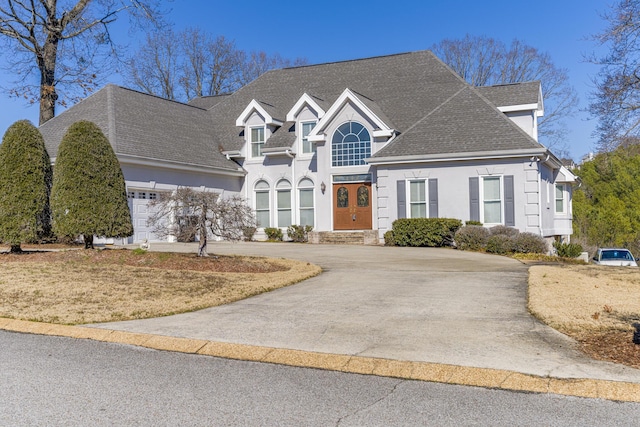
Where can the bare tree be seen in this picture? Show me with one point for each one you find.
(616, 101)
(154, 68)
(194, 63)
(60, 44)
(210, 64)
(187, 213)
(254, 64)
(483, 61)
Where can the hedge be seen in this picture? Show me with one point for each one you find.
(432, 232)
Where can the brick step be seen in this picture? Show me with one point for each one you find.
(368, 237)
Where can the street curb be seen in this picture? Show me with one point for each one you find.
(420, 371)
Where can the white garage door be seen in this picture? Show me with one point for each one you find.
(138, 205)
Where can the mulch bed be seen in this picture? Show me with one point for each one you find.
(160, 260)
(612, 346)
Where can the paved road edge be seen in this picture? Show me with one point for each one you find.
(420, 371)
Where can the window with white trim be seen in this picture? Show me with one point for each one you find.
(256, 141)
(305, 191)
(417, 199)
(308, 147)
(560, 199)
(283, 195)
(262, 205)
(491, 197)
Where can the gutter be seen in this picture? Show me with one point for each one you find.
(444, 157)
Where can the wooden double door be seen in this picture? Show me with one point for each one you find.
(352, 206)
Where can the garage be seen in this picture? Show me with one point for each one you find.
(140, 211)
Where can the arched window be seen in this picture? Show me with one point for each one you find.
(262, 203)
(305, 189)
(283, 191)
(351, 144)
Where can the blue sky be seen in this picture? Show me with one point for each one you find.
(333, 30)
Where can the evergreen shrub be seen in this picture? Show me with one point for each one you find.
(432, 232)
(500, 244)
(25, 183)
(529, 243)
(472, 238)
(568, 250)
(299, 233)
(88, 196)
(274, 234)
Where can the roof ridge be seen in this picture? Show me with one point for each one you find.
(153, 96)
(438, 107)
(354, 60)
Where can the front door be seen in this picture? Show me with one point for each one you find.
(352, 206)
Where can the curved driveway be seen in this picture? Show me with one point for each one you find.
(411, 304)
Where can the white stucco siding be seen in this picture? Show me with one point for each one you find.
(526, 120)
(454, 192)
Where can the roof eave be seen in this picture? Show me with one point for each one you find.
(127, 159)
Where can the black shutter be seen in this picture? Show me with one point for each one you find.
(401, 194)
(474, 199)
(509, 205)
(433, 198)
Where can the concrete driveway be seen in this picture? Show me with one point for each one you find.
(409, 304)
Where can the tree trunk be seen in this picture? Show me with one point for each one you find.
(202, 226)
(47, 58)
(88, 241)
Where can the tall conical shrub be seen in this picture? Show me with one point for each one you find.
(25, 182)
(89, 195)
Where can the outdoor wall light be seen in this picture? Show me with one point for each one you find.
(323, 187)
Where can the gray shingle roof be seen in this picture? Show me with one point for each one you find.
(433, 109)
(207, 102)
(144, 126)
(512, 94)
(389, 81)
(464, 123)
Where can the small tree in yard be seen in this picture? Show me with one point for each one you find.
(187, 212)
(89, 195)
(25, 182)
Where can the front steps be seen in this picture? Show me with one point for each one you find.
(365, 237)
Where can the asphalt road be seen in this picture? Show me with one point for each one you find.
(47, 381)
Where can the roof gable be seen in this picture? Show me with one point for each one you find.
(368, 108)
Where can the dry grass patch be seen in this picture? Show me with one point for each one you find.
(73, 287)
(596, 305)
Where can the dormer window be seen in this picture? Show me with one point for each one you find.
(307, 146)
(256, 141)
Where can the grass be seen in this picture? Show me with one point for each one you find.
(102, 286)
(596, 305)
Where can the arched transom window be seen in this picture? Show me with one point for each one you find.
(351, 144)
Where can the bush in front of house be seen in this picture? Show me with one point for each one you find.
(500, 240)
(529, 243)
(500, 244)
(248, 233)
(389, 240)
(432, 232)
(503, 230)
(25, 182)
(88, 196)
(299, 233)
(472, 238)
(274, 234)
(568, 250)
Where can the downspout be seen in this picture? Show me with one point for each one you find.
(539, 195)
